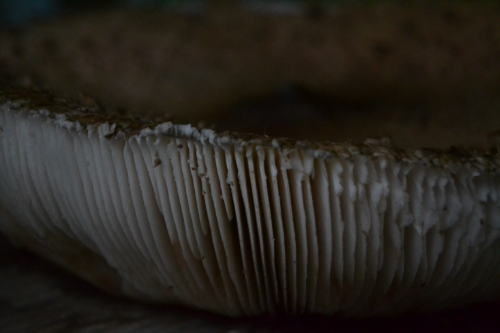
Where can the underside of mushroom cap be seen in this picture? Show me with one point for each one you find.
(246, 225)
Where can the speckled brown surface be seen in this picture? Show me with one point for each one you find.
(39, 103)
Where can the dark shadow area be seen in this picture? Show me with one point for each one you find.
(37, 296)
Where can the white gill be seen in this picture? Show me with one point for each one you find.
(249, 229)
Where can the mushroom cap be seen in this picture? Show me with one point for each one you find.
(244, 224)
(248, 225)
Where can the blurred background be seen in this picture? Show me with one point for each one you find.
(15, 13)
(313, 69)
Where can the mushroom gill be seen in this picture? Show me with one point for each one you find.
(237, 223)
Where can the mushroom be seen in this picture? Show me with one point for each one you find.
(243, 224)
(248, 225)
